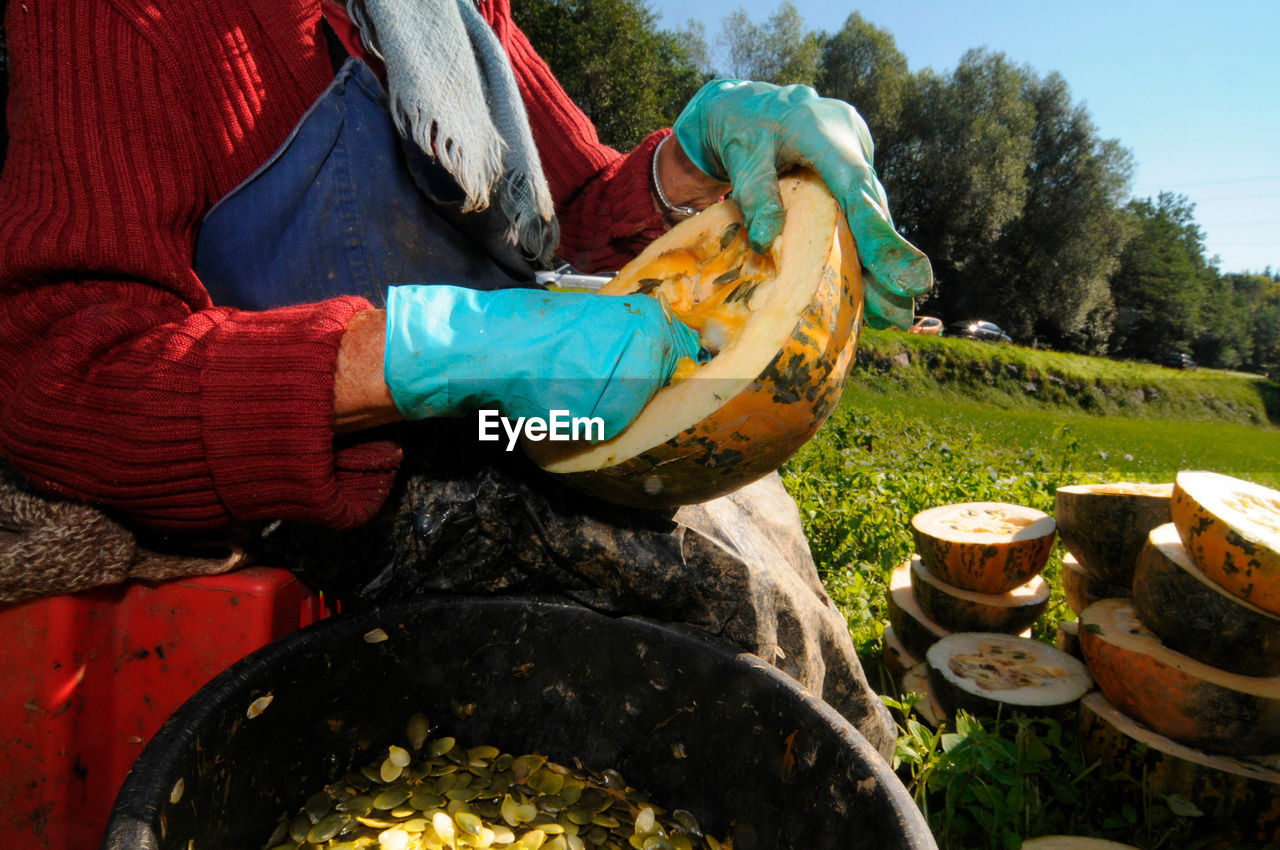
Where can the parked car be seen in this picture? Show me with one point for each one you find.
(1178, 360)
(567, 277)
(979, 330)
(927, 325)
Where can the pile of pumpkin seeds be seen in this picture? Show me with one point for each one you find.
(438, 795)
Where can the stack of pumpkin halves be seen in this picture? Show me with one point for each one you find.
(1186, 651)
(960, 611)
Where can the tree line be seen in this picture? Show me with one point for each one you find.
(992, 169)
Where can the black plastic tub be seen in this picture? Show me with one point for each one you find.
(697, 726)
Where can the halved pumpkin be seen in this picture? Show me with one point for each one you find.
(1073, 842)
(1105, 526)
(895, 656)
(989, 547)
(782, 328)
(1174, 694)
(1231, 528)
(1198, 617)
(916, 681)
(916, 629)
(1066, 637)
(968, 611)
(986, 673)
(1082, 588)
(1240, 794)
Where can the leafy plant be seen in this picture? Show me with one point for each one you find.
(990, 784)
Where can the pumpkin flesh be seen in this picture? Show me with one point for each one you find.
(782, 328)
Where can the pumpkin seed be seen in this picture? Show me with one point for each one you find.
(394, 839)
(327, 827)
(360, 804)
(469, 823)
(317, 806)
(525, 765)
(443, 825)
(483, 754)
(648, 284)
(389, 771)
(299, 826)
(463, 795)
(392, 797)
(258, 706)
(398, 756)
(729, 234)
(416, 731)
(423, 800)
(687, 822)
(495, 800)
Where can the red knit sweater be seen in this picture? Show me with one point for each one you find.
(120, 383)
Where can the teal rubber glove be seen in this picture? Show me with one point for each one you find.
(527, 352)
(743, 133)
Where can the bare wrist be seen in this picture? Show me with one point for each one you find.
(361, 398)
(681, 182)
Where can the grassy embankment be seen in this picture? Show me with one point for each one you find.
(927, 421)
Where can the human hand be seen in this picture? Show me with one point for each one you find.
(744, 132)
(528, 352)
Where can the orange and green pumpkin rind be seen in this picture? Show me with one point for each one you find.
(1073, 842)
(916, 680)
(1197, 617)
(968, 611)
(1178, 697)
(910, 624)
(1237, 558)
(895, 656)
(1241, 796)
(756, 430)
(997, 566)
(1082, 588)
(1066, 637)
(1105, 526)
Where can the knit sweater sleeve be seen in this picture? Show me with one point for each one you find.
(606, 211)
(120, 384)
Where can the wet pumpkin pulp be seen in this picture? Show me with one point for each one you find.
(709, 286)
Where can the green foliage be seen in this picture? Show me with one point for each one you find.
(626, 75)
(990, 784)
(781, 51)
(991, 168)
(1158, 287)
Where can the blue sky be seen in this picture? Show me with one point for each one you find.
(1191, 88)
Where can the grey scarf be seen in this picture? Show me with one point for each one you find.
(453, 93)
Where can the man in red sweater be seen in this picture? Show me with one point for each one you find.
(123, 383)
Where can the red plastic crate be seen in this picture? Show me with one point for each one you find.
(86, 679)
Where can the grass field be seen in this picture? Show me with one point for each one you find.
(909, 435)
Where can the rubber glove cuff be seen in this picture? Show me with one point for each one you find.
(528, 352)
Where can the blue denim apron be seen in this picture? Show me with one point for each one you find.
(346, 207)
